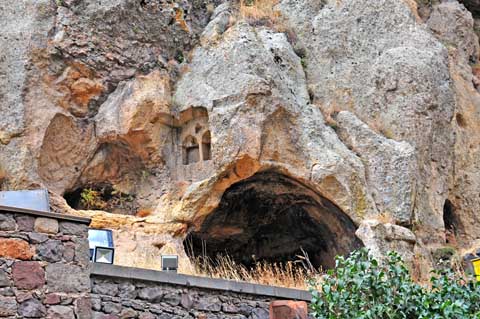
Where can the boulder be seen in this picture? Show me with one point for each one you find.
(60, 312)
(381, 238)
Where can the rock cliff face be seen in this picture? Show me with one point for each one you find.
(273, 125)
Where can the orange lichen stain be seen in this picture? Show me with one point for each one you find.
(180, 20)
(144, 212)
(15, 249)
(84, 89)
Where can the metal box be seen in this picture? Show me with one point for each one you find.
(36, 200)
(170, 263)
(100, 238)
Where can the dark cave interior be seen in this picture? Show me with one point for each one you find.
(272, 217)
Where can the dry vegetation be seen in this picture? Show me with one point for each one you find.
(261, 12)
(292, 274)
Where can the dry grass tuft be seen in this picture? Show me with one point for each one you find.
(261, 12)
(292, 274)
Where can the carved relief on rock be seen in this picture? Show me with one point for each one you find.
(194, 160)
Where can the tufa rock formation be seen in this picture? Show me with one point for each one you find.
(261, 130)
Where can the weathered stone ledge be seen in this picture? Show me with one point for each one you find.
(106, 270)
(82, 220)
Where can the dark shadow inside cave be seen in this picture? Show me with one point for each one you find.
(101, 197)
(450, 219)
(272, 217)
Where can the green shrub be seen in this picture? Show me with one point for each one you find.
(92, 199)
(362, 288)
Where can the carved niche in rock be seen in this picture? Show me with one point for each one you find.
(195, 144)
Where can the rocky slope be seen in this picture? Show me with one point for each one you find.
(353, 122)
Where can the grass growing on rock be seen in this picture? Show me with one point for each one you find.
(261, 13)
(259, 9)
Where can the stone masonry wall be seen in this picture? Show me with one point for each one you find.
(45, 272)
(44, 267)
(125, 298)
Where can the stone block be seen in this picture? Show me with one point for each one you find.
(151, 294)
(46, 225)
(245, 309)
(51, 251)
(128, 313)
(111, 307)
(23, 296)
(7, 222)
(66, 300)
(96, 304)
(37, 238)
(69, 252)
(67, 278)
(105, 289)
(7, 292)
(228, 308)
(28, 275)
(134, 304)
(83, 308)
(52, 299)
(127, 290)
(76, 229)
(173, 299)
(32, 308)
(8, 306)
(146, 315)
(25, 223)
(186, 301)
(15, 249)
(260, 313)
(4, 281)
(60, 312)
(82, 255)
(208, 304)
(287, 309)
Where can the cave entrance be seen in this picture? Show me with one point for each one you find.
(101, 197)
(451, 222)
(272, 217)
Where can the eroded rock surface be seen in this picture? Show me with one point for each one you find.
(158, 109)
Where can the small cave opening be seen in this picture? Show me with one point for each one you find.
(274, 218)
(451, 222)
(101, 197)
